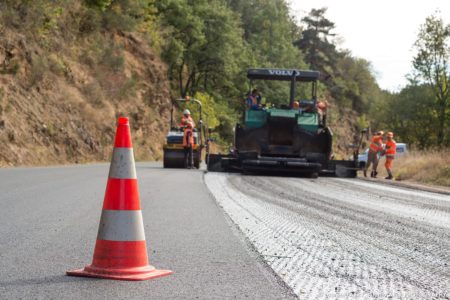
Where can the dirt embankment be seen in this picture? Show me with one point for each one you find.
(60, 106)
(342, 122)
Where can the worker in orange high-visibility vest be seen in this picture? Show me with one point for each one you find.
(322, 110)
(186, 118)
(253, 100)
(376, 146)
(390, 151)
(188, 144)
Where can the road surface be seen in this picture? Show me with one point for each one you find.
(332, 238)
(326, 238)
(49, 222)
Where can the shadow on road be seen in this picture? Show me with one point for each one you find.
(57, 279)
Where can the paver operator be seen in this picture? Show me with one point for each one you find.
(253, 100)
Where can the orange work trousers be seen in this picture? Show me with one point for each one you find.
(388, 163)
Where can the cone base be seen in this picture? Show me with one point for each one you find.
(145, 273)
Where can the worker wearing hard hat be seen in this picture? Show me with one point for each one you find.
(375, 147)
(390, 151)
(322, 110)
(186, 118)
(188, 138)
(188, 144)
(253, 100)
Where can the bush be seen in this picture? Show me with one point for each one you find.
(11, 68)
(90, 22)
(113, 57)
(431, 167)
(39, 67)
(57, 65)
(128, 89)
(93, 93)
(100, 4)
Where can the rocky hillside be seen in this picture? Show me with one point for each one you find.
(59, 104)
(68, 69)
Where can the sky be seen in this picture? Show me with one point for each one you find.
(382, 32)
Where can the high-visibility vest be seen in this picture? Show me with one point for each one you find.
(377, 143)
(252, 101)
(188, 137)
(391, 148)
(185, 121)
(322, 106)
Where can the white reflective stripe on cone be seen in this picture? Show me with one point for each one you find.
(121, 225)
(122, 164)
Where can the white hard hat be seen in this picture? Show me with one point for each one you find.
(186, 112)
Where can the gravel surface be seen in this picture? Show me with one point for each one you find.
(49, 222)
(331, 238)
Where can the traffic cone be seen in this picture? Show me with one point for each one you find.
(120, 251)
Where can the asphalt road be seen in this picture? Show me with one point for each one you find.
(332, 238)
(49, 222)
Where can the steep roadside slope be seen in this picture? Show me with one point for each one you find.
(60, 105)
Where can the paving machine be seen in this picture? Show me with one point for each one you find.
(173, 147)
(288, 138)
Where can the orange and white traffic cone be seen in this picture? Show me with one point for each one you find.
(121, 252)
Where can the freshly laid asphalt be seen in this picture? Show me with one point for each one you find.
(49, 222)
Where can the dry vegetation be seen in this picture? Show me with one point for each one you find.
(61, 90)
(430, 167)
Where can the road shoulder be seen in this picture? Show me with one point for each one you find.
(409, 185)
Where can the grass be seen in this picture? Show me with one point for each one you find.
(430, 167)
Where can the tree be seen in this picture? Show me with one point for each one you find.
(353, 84)
(432, 65)
(408, 114)
(205, 47)
(269, 31)
(316, 42)
(348, 80)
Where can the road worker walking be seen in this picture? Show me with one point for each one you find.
(375, 147)
(390, 152)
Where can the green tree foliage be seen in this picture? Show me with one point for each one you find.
(320, 52)
(126, 15)
(219, 116)
(432, 65)
(269, 31)
(353, 84)
(101, 4)
(205, 48)
(409, 114)
(348, 80)
(212, 43)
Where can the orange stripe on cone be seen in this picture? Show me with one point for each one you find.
(123, 135)
(112, 254)
(120, 251)
(122, 194)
